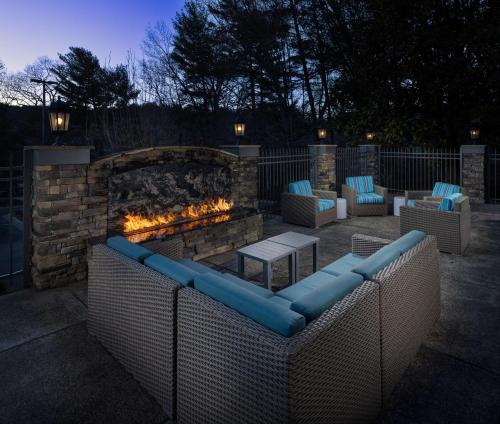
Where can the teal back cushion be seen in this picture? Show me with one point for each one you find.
(271, 315)
(448, 202)
(131, 250)
(172, 269)
(314, 303)
(301, 187)
(409, 240)
(362, 184)
(378, 261)
(444, 189)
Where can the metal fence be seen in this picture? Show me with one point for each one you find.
(350, 162)
(418, 168)
(277, 167)
(493, 175)
(11, 230)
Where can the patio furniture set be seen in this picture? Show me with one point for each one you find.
(213, 347)
(443, 212)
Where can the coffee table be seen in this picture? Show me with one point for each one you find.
(267, 252)
(299, 241)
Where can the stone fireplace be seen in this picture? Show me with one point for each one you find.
(205, 196)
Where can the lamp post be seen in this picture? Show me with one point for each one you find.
(44, 90)
(370, 135)
(321, 134)
(59, 116)
(239, 129)
(474, 132)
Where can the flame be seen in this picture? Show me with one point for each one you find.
(135, 222)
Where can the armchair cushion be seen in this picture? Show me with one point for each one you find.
(172, 269)
(131, 250)
(448, 202)
(361, 184)
(344, 264)
(444, 189)
(271, 315)
(369, 198)
(302, 187)
(319, 300)
(325, 204)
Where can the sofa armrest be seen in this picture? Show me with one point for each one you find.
(383, 191)
(364, 245)
(415, 195)
(325, 194)
(172, 248)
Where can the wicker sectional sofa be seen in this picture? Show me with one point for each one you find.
(329, 348)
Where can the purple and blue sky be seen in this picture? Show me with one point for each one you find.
(109, 28)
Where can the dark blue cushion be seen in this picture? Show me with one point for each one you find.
(303, 287)
(270, 314)
(131, 250)
(247, 285)
(344, 264)
(325, 204)
(321, 299)
(378, 261)
(409, 240)
(172, 269)
(196, 266)
(301, 187)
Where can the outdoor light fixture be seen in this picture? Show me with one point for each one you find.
(59, 116)
(370, 135)
(322, 133)
(474, 133)
(239, 127)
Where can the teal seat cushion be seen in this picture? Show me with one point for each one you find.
(325, 204)
(408, 241)
(196, 266)
(131, 250)
(361, 184)
(301, 187)
(269, 314)
(378, 261)
(303, 287)
(444, 189)
(248, 285)
(313, 304)
(369, 198)
(344, 264)
(448, 202)
(280, 301)
(172, 269)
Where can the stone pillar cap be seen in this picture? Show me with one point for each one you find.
(473, 148)
(242, 150)
(60, 155)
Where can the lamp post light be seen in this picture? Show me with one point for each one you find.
(239, 128)
(44, 83)
(370, 135)
(321, 134)
(59, 116)
(474, 133)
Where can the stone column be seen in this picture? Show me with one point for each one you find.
(371, 151)
(324, 160)
(61, 215)
(473, 168)
(246, 184)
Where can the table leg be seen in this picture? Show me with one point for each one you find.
(241, 266)
(268, 274)
(291, 268)
(297, 266)
(315, 256)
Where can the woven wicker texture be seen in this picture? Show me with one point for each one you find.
(232, 370)
(304, 210)
(364, 245)
(172, 248)
(409, 306)
(355, 209)
(131, 310)
(452, 229)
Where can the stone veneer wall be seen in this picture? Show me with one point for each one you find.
(324, 156)
(70, 207)
(473, 168)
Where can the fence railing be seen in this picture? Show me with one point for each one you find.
(493, 175)
(350, 162)
(418, 168)
(277, 167)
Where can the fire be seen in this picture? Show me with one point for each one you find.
(136, 222)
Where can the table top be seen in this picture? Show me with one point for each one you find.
(294, 239)
(266, 251)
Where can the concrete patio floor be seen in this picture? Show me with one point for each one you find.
(52, 371)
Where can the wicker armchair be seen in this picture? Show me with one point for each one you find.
(304, 210)
(232, 370)
(132, 312)
(368, 209)
(452, 229)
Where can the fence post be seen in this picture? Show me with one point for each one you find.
(247, 173)
(371, 152)
(323, 156)
(473, 172)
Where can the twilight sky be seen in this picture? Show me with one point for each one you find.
(109, 28)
